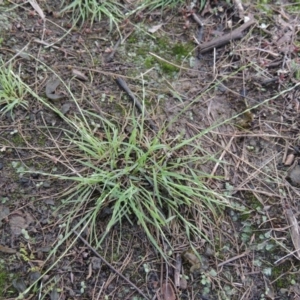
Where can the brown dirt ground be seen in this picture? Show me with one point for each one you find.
(251, 253)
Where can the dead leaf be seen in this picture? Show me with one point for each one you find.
(4, 212)
(79, 75)
(51, 86)
(239, 7)
(167, 292)
(54, 295)
(90, 272)
(96, 263)
(7, 250)
(155, 28)
(65, 108)
(269, 290)
(37, 8)
(290, 159)
(183, 283)
(19, 284)
(192, 259)
(29, 219)
(295, 234)
(17, 223)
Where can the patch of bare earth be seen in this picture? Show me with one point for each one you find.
(243, 95)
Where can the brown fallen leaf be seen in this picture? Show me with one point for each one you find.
(65, 108)
(183, 283)
(167, 292)
(51, 86)
(155, 28)
(7, 250)
(79, 75)
(192, 259)
(19, 284)
(239, 7)
(17, 223)
(293, 176)
(289, 159)
(294, 229)
(269, 290)
(37, 8)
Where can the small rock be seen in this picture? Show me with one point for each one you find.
(96, 263)
(4, 212)
(34, 276)
(65, 108)
(49, 201)
(35, 175)
(19, 284)
(46, 184)
(24, 181)
(294, 176)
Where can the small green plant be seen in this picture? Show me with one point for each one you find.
(155, 4)
(150, 179)
(12, 91)
(141, 177)
(181, 50)
(93, 10)
(5, 280)
(168, 68)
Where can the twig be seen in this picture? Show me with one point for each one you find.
(109, 265)
(200, 32)
(170, 63)
(65, 51)
(226, 149)
(197, 19)
(227, 38)
(232, 259)
(123, 85)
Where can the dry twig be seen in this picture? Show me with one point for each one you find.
(123, 85)
(227, 38)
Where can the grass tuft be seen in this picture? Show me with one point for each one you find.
(92, 10)
(12, 90)
(140, 177)
(152, 180)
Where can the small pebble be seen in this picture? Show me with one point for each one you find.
(294, 176)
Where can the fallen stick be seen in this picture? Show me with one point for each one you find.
(227, 38)
(65, 51)
(123, 85)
